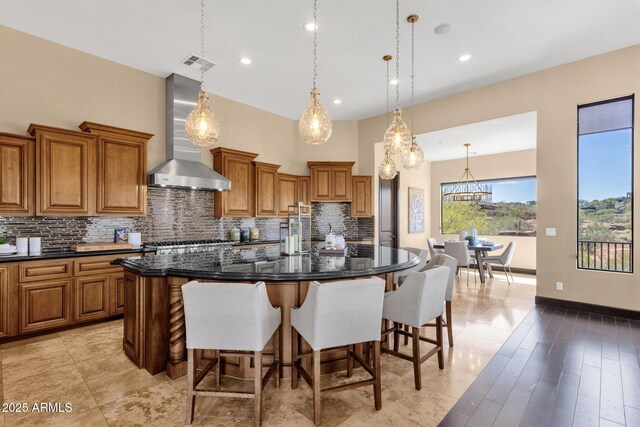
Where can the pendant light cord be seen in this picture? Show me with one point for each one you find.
(202, 42)
(315, 42)
(387, 86)
(397, 54)
(413, 54)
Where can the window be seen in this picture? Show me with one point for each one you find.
(605, 185)
(510, 210)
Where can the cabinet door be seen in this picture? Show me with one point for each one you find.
(17, 175)
(117, 294)
(122, 177)
(321, 183)
(304, 189)
(266, 189)
(65, 172)
(4, 301)
(133, 317)
(238, 167)
(45, 305)
(341, 183)
(91, 298)
(287, 193)
(361, 196)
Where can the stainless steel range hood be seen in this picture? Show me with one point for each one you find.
(183, 168)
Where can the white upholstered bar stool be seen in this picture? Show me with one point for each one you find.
(399, 276)
(431, 242)
(337, 315)
(418, 301)
(452, 263)
(236, 320)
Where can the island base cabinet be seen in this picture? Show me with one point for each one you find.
(117, 293)
(45, 305)
(92, 298)
(133, 315)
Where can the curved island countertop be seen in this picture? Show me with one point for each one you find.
(267, 264)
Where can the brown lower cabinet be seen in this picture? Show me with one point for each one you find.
(37, 296)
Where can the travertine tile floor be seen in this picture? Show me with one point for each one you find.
(87, 368)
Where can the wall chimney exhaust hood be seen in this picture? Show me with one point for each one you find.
(183, 168)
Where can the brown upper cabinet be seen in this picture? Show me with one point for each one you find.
(330, 181)
(17, 174)
(65, 171)
(361, 196)
(121, 187)
(266, 189)
(287, 193)
(238, 167)
(304, 189)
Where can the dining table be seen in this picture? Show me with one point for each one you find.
(481, 249)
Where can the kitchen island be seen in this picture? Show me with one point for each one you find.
(154, 333)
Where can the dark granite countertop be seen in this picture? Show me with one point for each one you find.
(266, 263)
(66, 254)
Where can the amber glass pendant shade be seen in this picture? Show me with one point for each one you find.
(387, 169)
(414, 157)
(397, 138)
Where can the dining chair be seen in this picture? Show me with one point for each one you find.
(400, 276)
(431, 242)
(236, 320)
(338, 315)
(460, 251)
(503, 259)
(417, 302)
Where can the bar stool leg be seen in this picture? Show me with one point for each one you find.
(439, 341)
(416, 357)
(276, 358)
(316, 388)
(190, 380)
(294, 358)
(257, 388)
(377, 390)
(449, 323)
(406, 337)
(396, 336)
(349, 361)
(218, 368)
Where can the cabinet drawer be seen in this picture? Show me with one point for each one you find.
(45, 305)
(38, 271)
(88, 266)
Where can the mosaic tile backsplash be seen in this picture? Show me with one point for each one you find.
(175, 214)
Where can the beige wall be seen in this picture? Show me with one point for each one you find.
(44, 82)
(417, 179)
(554, 93)
(506, 165)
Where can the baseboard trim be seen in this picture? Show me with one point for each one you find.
(592, 308)
(530, 271)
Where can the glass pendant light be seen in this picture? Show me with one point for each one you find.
(202, 126)
(414, 157)
(397, 138)
(315, 124)
(387, 169)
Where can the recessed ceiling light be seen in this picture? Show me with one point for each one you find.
(245, 60)
(393, 82)
(464, 58)
(310, 26)
(443, 29)
(337, 101)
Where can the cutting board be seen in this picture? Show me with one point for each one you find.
(89, 247)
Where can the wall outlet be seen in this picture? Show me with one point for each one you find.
(559, 286)
(551, 231)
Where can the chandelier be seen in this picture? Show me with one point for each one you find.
(314, 125)
(202, 126)
(467, 189)
(414, 157)
(397, 138)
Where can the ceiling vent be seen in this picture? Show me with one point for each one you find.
(198, 63)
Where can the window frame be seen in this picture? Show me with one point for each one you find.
(633, 127)
(480, 181)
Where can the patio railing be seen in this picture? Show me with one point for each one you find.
(605, 256)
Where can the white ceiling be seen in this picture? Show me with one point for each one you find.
(507, 38)
(512, 133)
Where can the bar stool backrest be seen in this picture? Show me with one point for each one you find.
(447, 261)
(341, 313)
(228, 316)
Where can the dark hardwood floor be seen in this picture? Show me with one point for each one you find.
(559, 368)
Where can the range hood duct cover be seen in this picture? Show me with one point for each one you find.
(183, 168)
